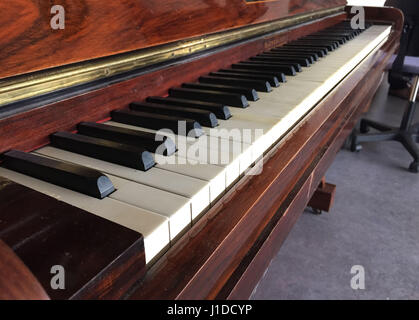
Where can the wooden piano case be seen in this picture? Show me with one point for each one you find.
(226, 252)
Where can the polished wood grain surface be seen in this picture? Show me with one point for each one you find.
(226, 252)
(16, 280)
(97, 104)
(100, 258)
(95, 28)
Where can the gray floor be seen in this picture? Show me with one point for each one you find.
(374, 223)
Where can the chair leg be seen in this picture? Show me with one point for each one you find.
(415, 130)
(372, 137)
(366, 123)
(412, 148)
(407, 134)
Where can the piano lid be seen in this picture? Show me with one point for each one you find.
(119, 32)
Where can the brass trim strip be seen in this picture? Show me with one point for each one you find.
(36, 84)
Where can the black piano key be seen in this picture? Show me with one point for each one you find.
(346, 36)
(297, 67)
(336, 33)
(347, 27)
(302, 62)
(231, 99)
(311, 59)
(341, 29)
(204, 117)
(320, 51)
(71, 176)
(221, 111)
(258, 85)
(150, 141)
(290, 55)
(316, 54)
(273, 78)
(340, 40)
(327, 48)
(122, 154)
(329, 37)
(279, 75)
(273, 81)
(289, 70)
(330, 45)
(249, 93)
(181, 126)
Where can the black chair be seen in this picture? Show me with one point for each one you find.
(407, 133)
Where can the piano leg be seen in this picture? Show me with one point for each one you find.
(323, 197)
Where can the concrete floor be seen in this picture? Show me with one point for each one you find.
(374, 223)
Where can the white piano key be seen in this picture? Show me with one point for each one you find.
(176, 208)
(214, 175)
(234, 149)
(257, 134)
(235, 162)
(205, 142)
(194, 189)
(292, 100)
(206, 150)
(154, 227)
(275, 114)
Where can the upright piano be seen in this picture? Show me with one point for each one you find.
(165, 149)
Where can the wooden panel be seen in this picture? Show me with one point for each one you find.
(96, 105)
(96, 28)
(100, 258)
(16, 281)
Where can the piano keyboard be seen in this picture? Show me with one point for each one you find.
(159, 191)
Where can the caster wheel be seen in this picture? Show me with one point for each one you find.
(414, 167)
(316, 212)
(356, 148)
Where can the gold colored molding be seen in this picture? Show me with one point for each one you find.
(39, 83)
